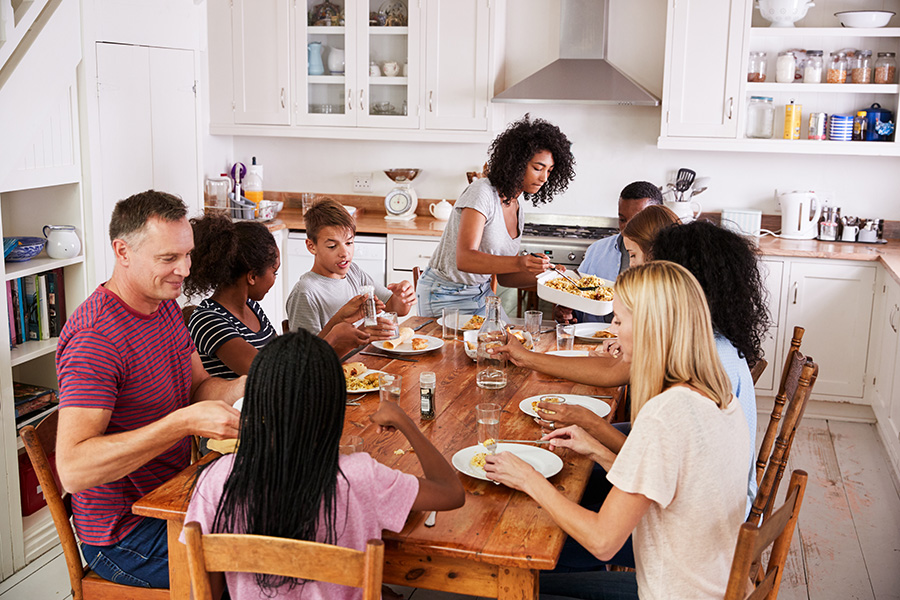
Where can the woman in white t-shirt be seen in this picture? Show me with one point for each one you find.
(533, 160)
(288, 479)
(679, 480)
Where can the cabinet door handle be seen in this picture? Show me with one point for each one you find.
(349, 99)
(361, 106)
(796, 288)
(431, 101)
(730, 107)
(424, 256)
(894, 311)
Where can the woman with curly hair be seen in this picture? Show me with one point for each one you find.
(531, 160)
(238, 263)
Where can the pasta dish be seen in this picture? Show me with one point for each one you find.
(602, 293)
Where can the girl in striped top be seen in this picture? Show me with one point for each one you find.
(238, 263)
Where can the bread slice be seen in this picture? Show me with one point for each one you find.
(419, 343)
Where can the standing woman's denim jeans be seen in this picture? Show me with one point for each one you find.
(435, 293)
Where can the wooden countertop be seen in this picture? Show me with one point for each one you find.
(371, 222)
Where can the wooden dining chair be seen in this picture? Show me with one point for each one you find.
(186, 311)
(86, 585)
(777, 460)
(416, 272)
(758, 369)
(221, 552)
(753, 540)
(285, 326)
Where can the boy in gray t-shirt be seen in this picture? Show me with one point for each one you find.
(327, 300)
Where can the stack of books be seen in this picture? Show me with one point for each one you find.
(37, 307)
(31, 401)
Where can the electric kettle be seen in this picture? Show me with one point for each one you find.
(800, 212)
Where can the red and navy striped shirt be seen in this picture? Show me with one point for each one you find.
(139, 367)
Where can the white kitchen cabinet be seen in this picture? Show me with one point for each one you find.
(273, 302)
(773, 273)
(405, 252)
(457, 61)
(261, 61)
(703, 64)
(832, 300)
(885, 385)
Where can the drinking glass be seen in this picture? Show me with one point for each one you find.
(533, 320)
(488, 418)
(306, 201)
(449, 323)
(389, 386)
(565, 336)
(350, 444)
(390, 317)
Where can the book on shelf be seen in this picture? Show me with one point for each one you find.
(59, 278)
(33, 311)
(44, 316)
(12, 314)
(37, 309)
(31, 399)
(21, 325)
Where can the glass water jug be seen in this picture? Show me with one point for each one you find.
(491, 367)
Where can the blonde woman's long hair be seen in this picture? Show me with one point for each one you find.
(673, 339)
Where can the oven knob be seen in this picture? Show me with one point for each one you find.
(571, 256)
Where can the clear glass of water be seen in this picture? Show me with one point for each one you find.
(565, 336)
(449, 323)
(389, 386)
(390, 318)
(488, 418)
(533, 320)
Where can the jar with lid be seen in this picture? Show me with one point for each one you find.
(837, 68)
(756, 67)
(812, 70)
(760, 117)
(426, 395)
(886, 68)
(785, 67)
(861, 69)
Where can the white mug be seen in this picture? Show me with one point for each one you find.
(849, 233)
(391, 68)
(686, 211)
(868, 235)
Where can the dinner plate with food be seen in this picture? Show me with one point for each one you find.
(410, 342)
(360, 379)
(471, 460)
(593, 332)
(466, 322)
(595, 405)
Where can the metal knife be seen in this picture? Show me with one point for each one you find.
(389, 357)
(423, 324)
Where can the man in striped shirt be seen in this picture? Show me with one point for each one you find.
(133, 390)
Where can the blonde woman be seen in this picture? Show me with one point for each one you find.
(680, 477)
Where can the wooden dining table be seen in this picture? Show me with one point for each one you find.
(496, 544)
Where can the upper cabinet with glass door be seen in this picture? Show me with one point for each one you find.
(357, 64)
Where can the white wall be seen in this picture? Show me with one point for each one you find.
(613, 145)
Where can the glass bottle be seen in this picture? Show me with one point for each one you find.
(859, 126)
(861, 72)
(491, 367)
(760, 117)
(886, 68)
(426, 395)
(756, 67)
(369, 292)
(812, 69)
(837, 68)
(785, 66)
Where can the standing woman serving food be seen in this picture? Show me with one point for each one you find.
(530, 161)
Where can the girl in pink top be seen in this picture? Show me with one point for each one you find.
(288, 480)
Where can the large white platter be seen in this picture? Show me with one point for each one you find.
(545, 462)
(585, 332)
(406, 348)
(595, 405)
(592, 307)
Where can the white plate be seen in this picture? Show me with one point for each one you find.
(569, 353)
(595, 405)
(360, 376)
(585, 332)
(406, 348)
(463, 319)
(545, 462)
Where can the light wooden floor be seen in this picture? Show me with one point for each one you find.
(847, 546)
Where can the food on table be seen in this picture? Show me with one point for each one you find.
(405, 334)
(474, 323)
(602, 293)
(547, 399)
(603, 334)
(478, 460)
(369, 382)
(419, 344)
(471, 346)
(223, 446)
(353, 369)
(489, 442)
(520, 335)
(399, 451)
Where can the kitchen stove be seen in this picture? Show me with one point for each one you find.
(564, 238)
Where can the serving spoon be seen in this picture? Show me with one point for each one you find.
(583, 288)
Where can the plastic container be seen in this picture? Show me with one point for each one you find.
(886, 68)
(756, 67)
(838, 68)
(861, 70)
(785, 67)
(859, 126)
(812, 69)
(253, 185)
(760, 117)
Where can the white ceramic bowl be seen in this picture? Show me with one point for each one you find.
(783, 13)
(865, 18)
(471, 337)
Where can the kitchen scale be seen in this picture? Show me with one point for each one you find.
(401, 202)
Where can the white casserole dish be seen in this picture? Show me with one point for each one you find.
(592, 307)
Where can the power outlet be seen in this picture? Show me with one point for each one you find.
(362, 182)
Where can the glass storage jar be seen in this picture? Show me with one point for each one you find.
(837, 68)
(760, 117)
(756, 67)
(861, 71)
(812, 70)
(886, 68)
(785, 67)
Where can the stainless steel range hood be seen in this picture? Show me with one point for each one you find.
(581, 75)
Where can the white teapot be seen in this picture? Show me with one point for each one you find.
(62, 241)
(441, 210)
